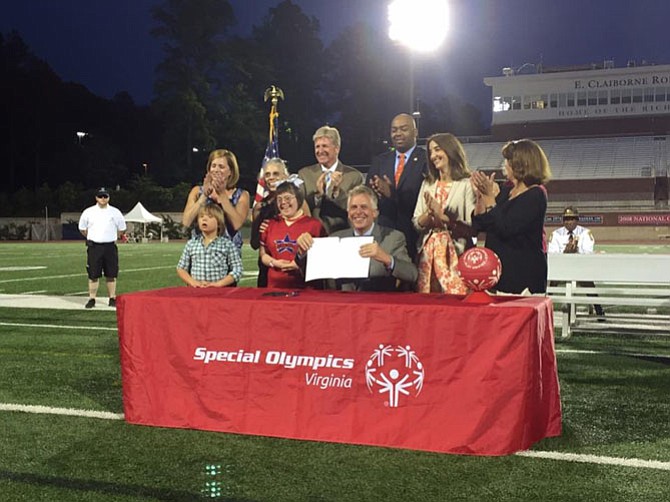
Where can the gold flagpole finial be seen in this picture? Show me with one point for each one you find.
(274, 93)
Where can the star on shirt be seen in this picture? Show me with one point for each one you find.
(286, 244)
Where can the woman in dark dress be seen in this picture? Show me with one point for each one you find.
(513, 217)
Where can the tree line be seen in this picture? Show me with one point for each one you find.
(208, 93)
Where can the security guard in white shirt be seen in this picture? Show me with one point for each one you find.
(575, 239)
(102, 224)
(571, 238)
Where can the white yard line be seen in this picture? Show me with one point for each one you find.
(64, 276)
(611, 353)
(49, 410)
(548, 455)
(597, 459)
(33, 292)
(55, 326)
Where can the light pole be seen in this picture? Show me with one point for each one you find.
(419, 25)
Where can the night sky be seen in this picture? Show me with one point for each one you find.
(106, 44)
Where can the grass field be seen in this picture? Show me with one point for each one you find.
(615, 393)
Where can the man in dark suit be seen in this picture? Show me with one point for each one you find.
(396, 177)
(389, 261)
(328, 182)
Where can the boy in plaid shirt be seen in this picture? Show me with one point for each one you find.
(210, 259)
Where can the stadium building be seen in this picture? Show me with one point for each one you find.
(606, 133)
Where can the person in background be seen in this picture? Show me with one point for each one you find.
(279, 241)
(513, 217)
(220, 187)
(328, 181)
(274, 172)
(209, 259)
(572, 238)
(389, 261)
(396, 178)
(102, 225)
(442, 216)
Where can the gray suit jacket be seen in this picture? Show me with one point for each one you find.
(331, 211)
(379, 278)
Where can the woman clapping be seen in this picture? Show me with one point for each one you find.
(513, 217)
(442, 212)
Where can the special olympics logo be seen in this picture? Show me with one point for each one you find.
(394, 371)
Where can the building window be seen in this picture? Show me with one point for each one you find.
(592, 98)
(649, 95)
(626, 96)
(602, 97)
(571, 99)
(553, 100)
(501, 104)
(581, 98)
(516, 102)
(535, 102)
(615, 97)
(637, 95)
(660, 94)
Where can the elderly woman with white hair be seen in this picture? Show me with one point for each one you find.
(274, 172)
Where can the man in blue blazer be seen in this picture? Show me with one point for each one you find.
(396, 177)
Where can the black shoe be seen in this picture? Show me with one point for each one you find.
(90, 303)
(112, 302)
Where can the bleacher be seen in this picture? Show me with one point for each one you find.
(588, 158)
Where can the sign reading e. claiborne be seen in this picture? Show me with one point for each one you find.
(607, 83)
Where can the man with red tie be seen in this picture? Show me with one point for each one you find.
(396, 177)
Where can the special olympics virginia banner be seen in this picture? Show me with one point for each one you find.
(424, 372)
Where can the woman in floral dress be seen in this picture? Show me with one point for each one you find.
(443, 215)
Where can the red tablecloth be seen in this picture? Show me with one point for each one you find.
(425, 372)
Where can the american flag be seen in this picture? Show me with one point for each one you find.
(271, 152)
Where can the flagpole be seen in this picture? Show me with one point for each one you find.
(274, 94)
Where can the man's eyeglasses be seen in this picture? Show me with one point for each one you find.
(102, 196)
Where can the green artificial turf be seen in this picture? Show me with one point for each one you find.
(614, 392)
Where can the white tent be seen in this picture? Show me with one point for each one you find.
(139, 214)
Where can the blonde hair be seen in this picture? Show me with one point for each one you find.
(215, 211)
(528, 162)
(328, 132)
(232, 164)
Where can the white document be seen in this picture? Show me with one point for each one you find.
(337, 258)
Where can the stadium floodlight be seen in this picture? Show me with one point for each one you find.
(420, 25)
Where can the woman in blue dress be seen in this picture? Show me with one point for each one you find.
(219, 187)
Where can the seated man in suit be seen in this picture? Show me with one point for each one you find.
(389, 261)
(328, 182)
(396, 177)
